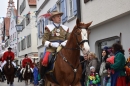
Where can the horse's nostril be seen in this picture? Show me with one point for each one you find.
(83, 48)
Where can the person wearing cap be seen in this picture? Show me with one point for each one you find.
(55, 35)
(6, 55)
(25, 61)
(93, 78)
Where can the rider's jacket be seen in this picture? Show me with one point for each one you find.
(25, 61)
(8, 54)
(54, 34)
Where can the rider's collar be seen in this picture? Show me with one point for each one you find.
(56, 25)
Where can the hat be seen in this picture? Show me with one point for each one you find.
(9, 48)
(52, 14)
(92, 67)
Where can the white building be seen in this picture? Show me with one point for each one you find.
(111, 23)
(68, 7)
(27, 38)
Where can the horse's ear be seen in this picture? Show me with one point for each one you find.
(77, 22)
(88, 24)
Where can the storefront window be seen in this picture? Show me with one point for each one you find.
(106, 44)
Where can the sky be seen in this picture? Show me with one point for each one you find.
(3, 8)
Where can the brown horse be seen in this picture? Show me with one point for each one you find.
(27, 74)
(67, 69)
(9, 71)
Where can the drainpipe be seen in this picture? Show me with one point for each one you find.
(78, 10)
(17, 11)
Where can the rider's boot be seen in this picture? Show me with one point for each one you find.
(42, 73)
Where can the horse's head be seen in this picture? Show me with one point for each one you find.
(8, 60)
(81, 34)
(28, 65)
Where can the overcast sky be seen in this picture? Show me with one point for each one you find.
(3, 8)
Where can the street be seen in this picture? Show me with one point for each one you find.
(16, 83)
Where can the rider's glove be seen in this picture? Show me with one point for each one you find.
(64, 43)
(54, 44)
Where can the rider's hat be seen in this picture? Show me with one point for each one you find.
(9, 48)
(52, 14)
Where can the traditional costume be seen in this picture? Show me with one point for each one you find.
(55, 34)
(118, 78)
(24, 62)
(93, 78)
(6, 55)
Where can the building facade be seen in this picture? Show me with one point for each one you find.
(68, 7)
(27, 38)
(111, 22)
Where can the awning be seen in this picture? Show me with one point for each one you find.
(35, 57)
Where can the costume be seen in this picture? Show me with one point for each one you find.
(6, 55)
(54, 34)
(24, 62)
(127, 67)
(118, 78)
(93, 79)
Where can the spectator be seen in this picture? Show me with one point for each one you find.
(118, 78)
(35, 75)
(93, 78)
(103, 71)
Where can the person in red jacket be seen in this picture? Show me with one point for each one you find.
(25, 61)
(6, 55)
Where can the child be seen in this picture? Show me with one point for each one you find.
(107, 79)
(93, 78)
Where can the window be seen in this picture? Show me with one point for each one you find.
(22, 6)
(27, 19)
(23, 44)
(106, 43)
(29, 41)
(19, 46)
(41, 27)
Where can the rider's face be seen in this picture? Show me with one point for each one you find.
(9, 50)
(57, 19)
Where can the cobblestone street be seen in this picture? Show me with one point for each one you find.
(16, 83)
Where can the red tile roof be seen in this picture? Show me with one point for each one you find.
(7, 25)
(32, 2)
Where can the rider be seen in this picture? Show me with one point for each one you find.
(55, 34)
(6, 55)
(25, 61)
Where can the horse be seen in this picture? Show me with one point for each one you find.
(27, 74)
(9, 71)
(67, 70)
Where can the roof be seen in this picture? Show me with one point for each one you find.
(32, 2)
(15, 12)
(7, 25)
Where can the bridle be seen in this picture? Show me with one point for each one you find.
(79, 48)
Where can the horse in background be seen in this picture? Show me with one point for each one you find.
(9, 71)
(27, 74)
(67, 70)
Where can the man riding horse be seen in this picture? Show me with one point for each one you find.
(6, 55)
(55, 34)
(25, 61)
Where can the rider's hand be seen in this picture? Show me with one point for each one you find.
(64, 43)
(55, 44)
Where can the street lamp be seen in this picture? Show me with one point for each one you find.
(19, 28)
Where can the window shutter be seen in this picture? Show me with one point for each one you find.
(64, 10)
(54, 8)
(42, 26)
(38, 25)
(74, 7)
(46, 21)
